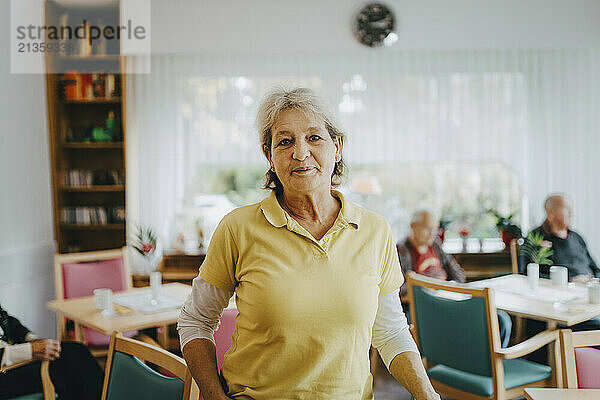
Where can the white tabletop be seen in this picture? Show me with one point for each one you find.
(553, 304)
(562, 394)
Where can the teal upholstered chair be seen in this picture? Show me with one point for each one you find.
(47, 386)
(127, 377)
(456, 329)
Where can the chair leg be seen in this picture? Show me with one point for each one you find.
(47, 385)
(519, 327)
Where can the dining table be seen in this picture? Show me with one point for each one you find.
(554, 304)
(136, 314)
(561, 394)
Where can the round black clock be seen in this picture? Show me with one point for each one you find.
(375, 25)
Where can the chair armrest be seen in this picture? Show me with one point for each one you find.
(528, 346)
(15, 365)
(47, 385)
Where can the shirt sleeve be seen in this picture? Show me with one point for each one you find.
(391, 335)
(391, 274)
(218, 267)
(16, 353)
(201, 312)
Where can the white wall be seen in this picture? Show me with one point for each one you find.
(26, 238)
(325, 25)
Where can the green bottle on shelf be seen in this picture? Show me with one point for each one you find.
(111, 127)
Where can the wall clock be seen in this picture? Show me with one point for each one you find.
(375, 25)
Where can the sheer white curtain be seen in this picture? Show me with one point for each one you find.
(535, 111)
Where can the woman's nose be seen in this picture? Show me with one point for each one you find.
(301, 151)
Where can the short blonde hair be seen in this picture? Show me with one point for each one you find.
(303, 99)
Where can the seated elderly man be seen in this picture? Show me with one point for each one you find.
(569, 248)
(74, 372)
(422, 252)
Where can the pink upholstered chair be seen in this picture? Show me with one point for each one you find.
(223, 335)
(78, 274)
(580, 361)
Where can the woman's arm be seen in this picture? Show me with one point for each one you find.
(196, 325)
(398, 350)
(408, 369)
(200, 355)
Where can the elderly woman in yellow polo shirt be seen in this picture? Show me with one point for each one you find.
(316, 277)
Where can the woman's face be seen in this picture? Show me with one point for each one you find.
(302, 152)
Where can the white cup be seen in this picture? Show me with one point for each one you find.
(155, 284)
(559, 275)
(103, 300)
(533, 275)
(594, 291)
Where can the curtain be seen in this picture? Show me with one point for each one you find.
(537, 112)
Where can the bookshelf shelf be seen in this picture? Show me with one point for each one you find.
(87, 227)
(96, 188)
(86, 145)
(108, 100)
(92, 58)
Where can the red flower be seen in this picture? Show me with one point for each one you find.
(147, 248)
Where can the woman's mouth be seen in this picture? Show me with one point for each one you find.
(304, 171)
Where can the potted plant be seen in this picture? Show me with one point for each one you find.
(444, 223)
(536, 250)
(507, 227)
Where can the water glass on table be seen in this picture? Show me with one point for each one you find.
(559, 275)
(103, 300)
(533, 275)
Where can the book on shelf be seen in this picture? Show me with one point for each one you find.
(92, 215)
(75, 86)
(88, 178)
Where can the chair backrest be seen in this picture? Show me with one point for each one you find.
(224, 333)
(454, 324)
(580, 361)
(127, 377)
(78, 274)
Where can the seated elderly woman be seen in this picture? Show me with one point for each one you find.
(316, 277)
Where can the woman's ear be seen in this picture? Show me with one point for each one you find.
(267, 152)
(338, 143)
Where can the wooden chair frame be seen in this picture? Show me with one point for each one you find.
(47, 385)
(155, 355)
(514, 261)
(91, 256)
(569, 340)
(59, 290)
(497, 353)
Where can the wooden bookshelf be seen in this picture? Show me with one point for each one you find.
(94, 188)
(75, 148)
(92, 101)
(87, 145)
(112, 227)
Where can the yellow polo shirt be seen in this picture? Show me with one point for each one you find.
(306, 307)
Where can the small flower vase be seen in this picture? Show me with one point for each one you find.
(464, 234)
(151, 260)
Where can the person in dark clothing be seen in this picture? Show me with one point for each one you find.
(422, 252)
(569, 248)
(73, 371)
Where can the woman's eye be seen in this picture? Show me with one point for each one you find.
(284, 142)
(315, 138)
